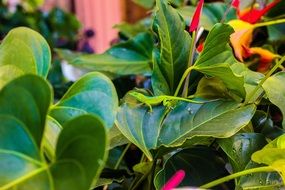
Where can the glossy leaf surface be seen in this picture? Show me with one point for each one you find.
(273, 155)
(174, 44)
(201, 164)
(94, 93)
(127, 58)
(22, 163)
(150, 130)
(275, 90)
(33, 55)
(216, 58)
(263, 181)
(240, 147)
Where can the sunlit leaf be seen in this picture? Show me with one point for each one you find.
(127, 58)
(150, 130)
(94, 93)
(174, 44)
(23, 51)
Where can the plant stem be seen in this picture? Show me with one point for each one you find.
(190, 63)
(122, 156)
(229, 6)
(235, 175)
(276, 66)
(150, 187)
(279, 21)
(184, 76)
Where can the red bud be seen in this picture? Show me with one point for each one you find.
(196, 17)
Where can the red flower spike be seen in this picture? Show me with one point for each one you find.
(235, 4)
(196, 17)
(254, 15)
(175, 180)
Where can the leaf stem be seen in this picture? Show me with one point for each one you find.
(122, 156)
(235, 175)
(190, 63)
(229, 6)
(184, 76)
(276, 66)
(279, 21)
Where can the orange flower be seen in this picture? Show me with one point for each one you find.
(241, 38)
(266, 58)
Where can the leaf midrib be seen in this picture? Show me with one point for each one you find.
(204, 122)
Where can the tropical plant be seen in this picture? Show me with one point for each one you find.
(45, 145)
(213, 117)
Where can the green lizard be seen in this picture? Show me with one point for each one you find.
(156, 100)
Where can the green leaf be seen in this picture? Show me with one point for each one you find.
(27, 94)
(213, 88)
(158, 82)
(260, 181)
(201, 165)
(262, 123)
(23, 167)
(148, 4)
(116, 138)
(84, 133)
(145, 3)
(150, 130)
(233, 82)
(52, 131)
(22, 162)
(143, 167)
(273, 155)
(240, 147)
(132, 30)
(217, 49)
(276, 32)
(216, 58)
(212, 14)
(94, 93)
(23, 51)
(127, 58)
(31, 5)
(174, 45)
(251, 79)
(275, 91)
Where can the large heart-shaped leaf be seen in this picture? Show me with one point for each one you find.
(201, 165)
(240, 147)
(27, 98)
(23, 51)
(94, 93)
(127, 58)
(24, 103)
(87, 133)
(216, 58)
(174, 45)
(275, 91)
(150, 130)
